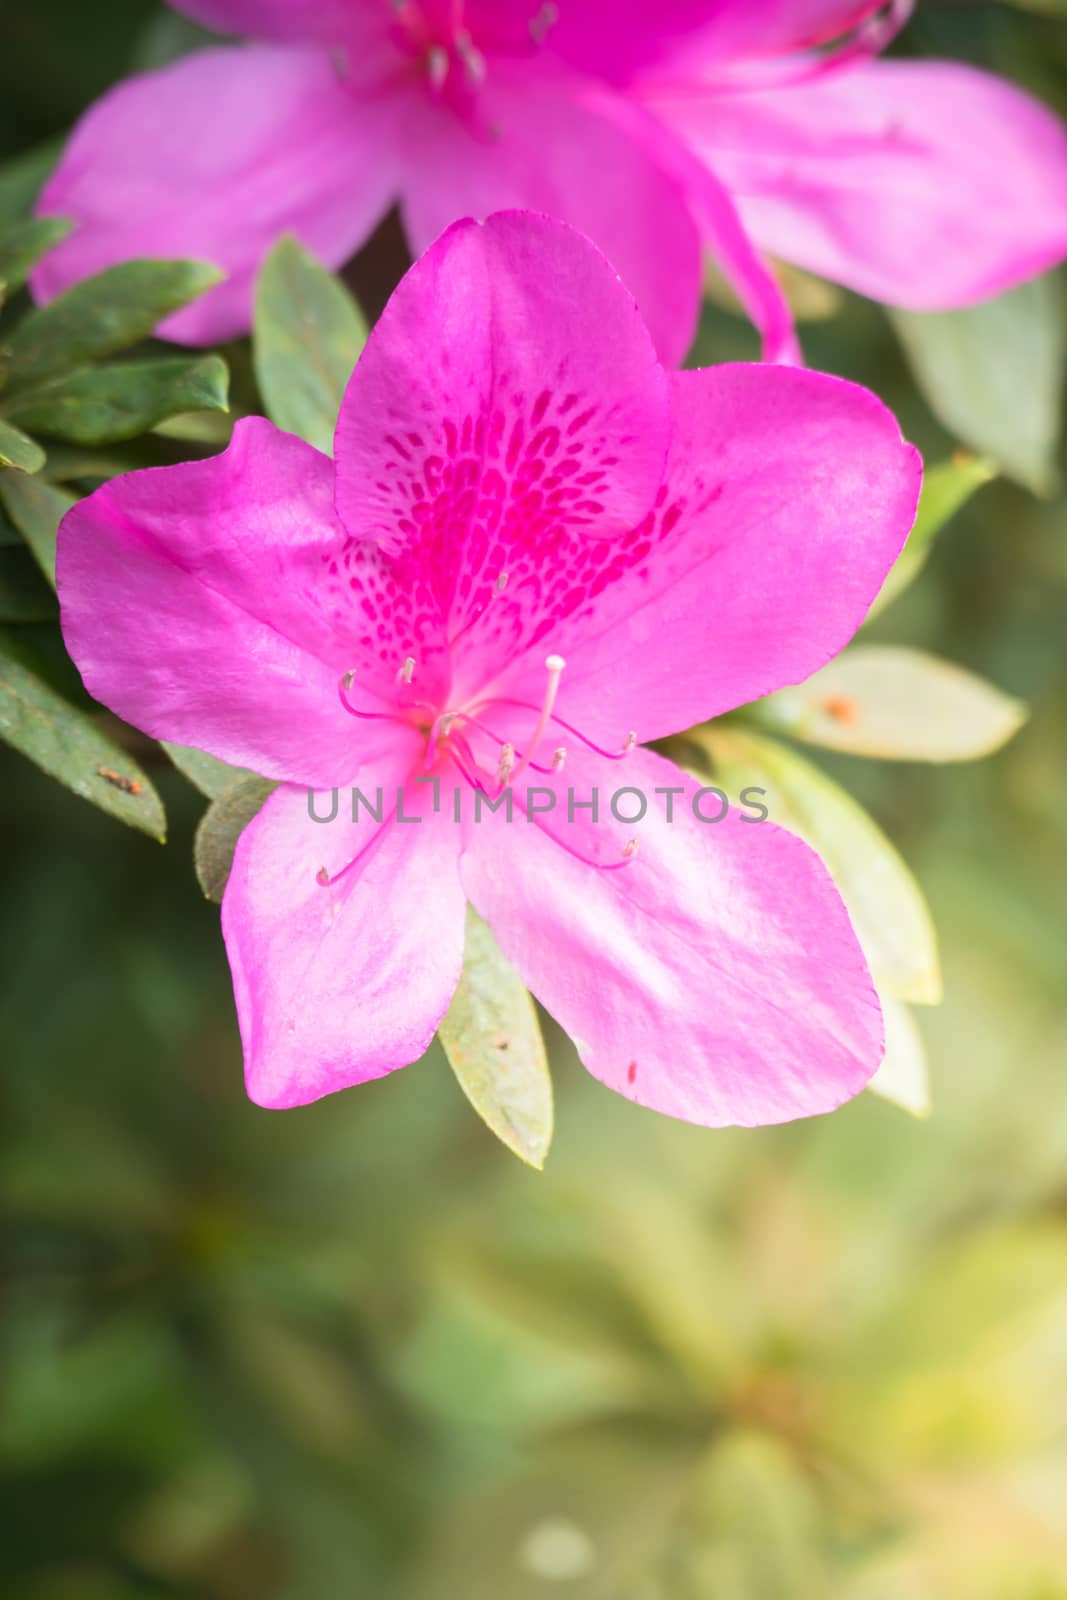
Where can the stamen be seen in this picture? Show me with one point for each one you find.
(610, 755)
(472, 59)
(407, 671)
(323, 878)
(483, 727)
(559, 756)
(498, 588)
(554, 666)
(541, 24)
(437, 67)
(506, 765)
(629, 850)
(343, 687)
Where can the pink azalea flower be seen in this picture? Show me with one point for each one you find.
(654, 126)
(537, 552)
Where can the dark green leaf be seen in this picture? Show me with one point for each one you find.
(207, 773)
(18, 451)
(220, 828)
(100, 315)
(493, 1042)
(36, 510)
(993, 374)
(106, 404)
(24, 595)
(70, 746)
(22, 179)
(308, 336)
(900, 704)
(884, 901)
(24, 243)
(946, 488)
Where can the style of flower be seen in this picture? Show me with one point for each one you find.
(537, 551)
(657, 127)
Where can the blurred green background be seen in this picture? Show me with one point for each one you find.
(358, 1350)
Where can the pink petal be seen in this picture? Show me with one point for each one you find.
(213, 158)
(789, 495)
(714, 977)
(550, 146)
(209, 603)
(643, 37)
(509, 396)
(326, 21)
(340, 984)
(923, 185)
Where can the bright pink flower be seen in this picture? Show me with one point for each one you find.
(517, 481)
(654, 126)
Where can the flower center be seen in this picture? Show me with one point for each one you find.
(487, 760)
(448, 46)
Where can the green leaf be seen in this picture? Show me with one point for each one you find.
(902, 1076)
(69, 746)
(24, 595)
(106, 404)
(493, 1042)
(946, 488)
(220, 828)
(21, 180)
(100, 315)
(22, 244)
(885, 903)
(308, 335)
(993, 374)
(36, 510)
(897, 703)
(18, 451)
(206, 773)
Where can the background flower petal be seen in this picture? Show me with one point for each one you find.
(212, 158)
(925, 185)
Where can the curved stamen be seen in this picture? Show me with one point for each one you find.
(629, 851)
(609, 755)
(554, 666)
(868, 38)
(344, 684)
(323, 878)
(483, 727)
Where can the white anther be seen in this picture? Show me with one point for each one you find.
(629, 742)
(437, 67)
(507, 763)
(501, 583)
(349, 678)
(559, 756)
(407, 671)
(630, 848)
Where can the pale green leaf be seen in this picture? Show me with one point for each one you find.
(946, 487)
(18, 451)
(220, 828)
(993, 374)
(897, 703)
(308, 335)
(493, 1042)
(70, 746)
(884, 901)
(902, 1076)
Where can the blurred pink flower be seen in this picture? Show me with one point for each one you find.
(655, 126)
(535, 541)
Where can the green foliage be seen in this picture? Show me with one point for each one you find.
(18, 451)
(308, 334)
(493, 1043)
(222, 824)
(23, 243)
(899, 704)
(69, 745)
(107, 404)
(946, 488)
(994, 375)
